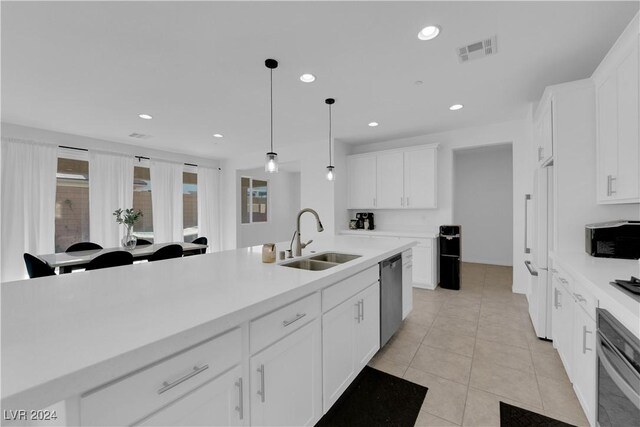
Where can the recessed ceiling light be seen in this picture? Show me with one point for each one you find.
(455, 107)
(307, 78)
(217, 135)
(373, 124)
(418, 82)
(145, 116)
(429, 33)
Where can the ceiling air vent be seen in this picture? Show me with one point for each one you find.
(139, 135)
(477, 50)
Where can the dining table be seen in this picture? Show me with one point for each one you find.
(69, 261)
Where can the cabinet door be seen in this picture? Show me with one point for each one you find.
(556, 312)
(390, 181)
(566, 325)
(422, 268)
(626, 184)
(368, 328)
(362, 182)
(217, 403)
(607, 144)
(420, 177)
(286, 382)
(545, 148)
(338, 350)
(584, 362)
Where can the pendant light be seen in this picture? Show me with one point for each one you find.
(331, 175)
(271, 160)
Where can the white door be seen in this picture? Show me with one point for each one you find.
(286, 381)
(368, 328)
(338, 349)
(390, 180)
(420, 176)
(626, 184)
(362, 182)
(217, 403)
(607, 146)
(584, 362)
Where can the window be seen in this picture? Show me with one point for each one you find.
(190, 205)
(254, 199)
(72, 203)
(142, 200)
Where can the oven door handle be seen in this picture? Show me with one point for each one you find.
(608, 359)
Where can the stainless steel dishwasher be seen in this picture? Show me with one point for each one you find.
(390, 297)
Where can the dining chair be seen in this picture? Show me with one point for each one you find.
(37, 267)
(110, 259)
(167, 252)
(201, 241)
(143, 242)
(83, 246)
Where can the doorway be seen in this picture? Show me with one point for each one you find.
(483, 203)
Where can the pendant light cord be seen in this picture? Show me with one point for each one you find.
(271, 86)
(330, 163)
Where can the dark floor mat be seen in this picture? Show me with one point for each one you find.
(376, 398)
(512, 416)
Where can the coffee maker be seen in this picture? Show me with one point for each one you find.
(364, 221)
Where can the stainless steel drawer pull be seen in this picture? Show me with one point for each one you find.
(557, 295)
(357, 306)
(240, 407)
(168, 386)
(362, 310)
(295, 319)
(261, 390)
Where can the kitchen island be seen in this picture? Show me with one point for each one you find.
(120, 345)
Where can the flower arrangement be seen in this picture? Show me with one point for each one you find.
(128, 218)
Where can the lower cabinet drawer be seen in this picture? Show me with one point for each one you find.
(335, 294)
(143, 392)
(275, 325)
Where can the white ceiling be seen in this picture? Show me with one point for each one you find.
(90, 68)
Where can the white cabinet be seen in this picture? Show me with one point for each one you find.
(544, 130)
(390, 180)
(362, 182)
(286, 382)
(394, 179)
(562, 319)
(425, 264)
(584, 362)
(407, 283)
(217, 403)
(617, 109)
(420, 173)
(350, 337)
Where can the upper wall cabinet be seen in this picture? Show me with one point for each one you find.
(617, 142)
(362, 181)
(544, 130)
(394, 179)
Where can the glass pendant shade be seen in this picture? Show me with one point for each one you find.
(271, 163)
(331, 175)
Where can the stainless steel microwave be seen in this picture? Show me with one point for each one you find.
(615, 239)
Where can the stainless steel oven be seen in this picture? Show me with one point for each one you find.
(618, 354)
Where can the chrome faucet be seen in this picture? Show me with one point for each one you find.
(299, 245)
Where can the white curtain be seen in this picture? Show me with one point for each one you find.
(28, 203)
(166, 201)
(209, 207)
(110, 188)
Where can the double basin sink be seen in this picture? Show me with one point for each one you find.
(321, 261)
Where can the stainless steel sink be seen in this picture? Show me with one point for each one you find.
(309, 264)
(334, 257)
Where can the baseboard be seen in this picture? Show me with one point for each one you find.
(421, 285)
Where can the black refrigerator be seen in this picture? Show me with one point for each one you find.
(450, 256)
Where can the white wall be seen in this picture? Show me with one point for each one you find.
(315, 191)
(10, 130)
(283, 205)
(483, 203)
(517, 132)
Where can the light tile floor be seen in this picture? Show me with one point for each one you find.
(474, 348)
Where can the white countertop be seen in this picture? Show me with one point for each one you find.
(62, 335)
(597, 273)
(387, 233)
